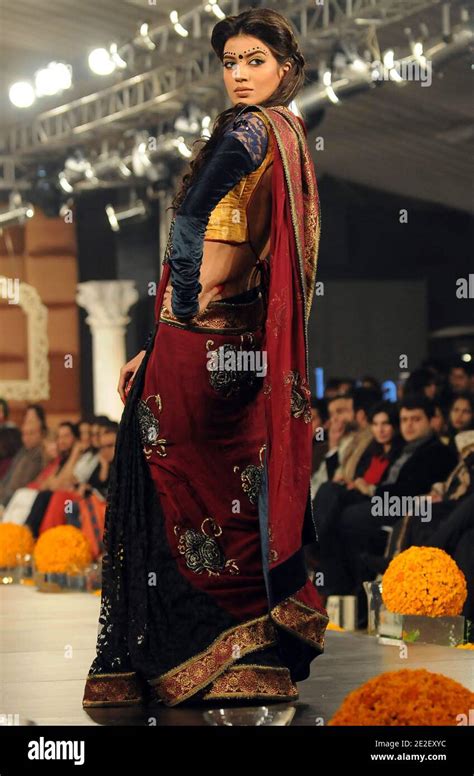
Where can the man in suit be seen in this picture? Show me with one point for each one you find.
(422, 461)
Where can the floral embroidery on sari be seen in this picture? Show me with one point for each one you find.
(150, 427)
(226, 376)
(201, 550)
(300, 396)
(251, 478)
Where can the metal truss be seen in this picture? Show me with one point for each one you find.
(153, 91)
(12, 175)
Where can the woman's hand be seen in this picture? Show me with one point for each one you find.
(204, 298)
(127, 373)
(362, 486)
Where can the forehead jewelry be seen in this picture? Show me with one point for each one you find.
(241, 56)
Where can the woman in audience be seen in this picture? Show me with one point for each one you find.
(460, 417)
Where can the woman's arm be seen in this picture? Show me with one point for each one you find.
(240, 151)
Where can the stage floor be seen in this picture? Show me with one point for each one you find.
(47, 643)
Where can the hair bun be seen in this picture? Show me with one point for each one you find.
(298, 56)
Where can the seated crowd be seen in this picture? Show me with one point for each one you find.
(50, 478)
(386, 476)
(390, 475)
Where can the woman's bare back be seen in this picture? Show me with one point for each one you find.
(233, 265)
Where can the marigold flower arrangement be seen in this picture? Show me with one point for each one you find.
(14, 540)
(426, 581)
(405, 697)
(63, 549)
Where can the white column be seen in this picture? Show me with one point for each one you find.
(107, 303)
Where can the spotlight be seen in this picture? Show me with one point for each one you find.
(389, 64)
(327, 81)
(64, 183)
(178, 27)
(116, 58)
(205, 126)
(182, 147)
(213, 7)
(76, 168)
(145, 39)
(110, 166)
(17, 212)
(53, 79)
(137, 210)
(101, 62)
(22, 94)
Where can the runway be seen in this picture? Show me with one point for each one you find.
(48, 640)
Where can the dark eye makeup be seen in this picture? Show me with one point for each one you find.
(232, 61)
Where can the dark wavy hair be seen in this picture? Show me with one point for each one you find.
(273, 29)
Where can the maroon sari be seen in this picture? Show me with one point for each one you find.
(221, 512)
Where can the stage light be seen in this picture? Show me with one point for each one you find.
(144, 32)
(76, 169)
(188, 122)
(389, 64)
(54, 78)
(178, 27)
(213, 7)
(418, 49)
(17, 212)
(109, 166)
(327, 79)
(358, 65)
(136, 210)
(100, 62)
(22, 94)
(388, 59)
(206, 126)
(116, 58)
(89, 173)
(141, 161)
(182, 147)
(64, 183)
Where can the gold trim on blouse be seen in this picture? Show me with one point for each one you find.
(228, 220)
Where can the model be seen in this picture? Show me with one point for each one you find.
(205, 592)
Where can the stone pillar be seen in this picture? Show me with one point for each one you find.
(107, 303)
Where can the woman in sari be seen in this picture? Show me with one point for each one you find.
(205, 591)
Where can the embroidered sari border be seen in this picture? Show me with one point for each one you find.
(253, 681)
(122, 689)
(301, 620)
(185, 680)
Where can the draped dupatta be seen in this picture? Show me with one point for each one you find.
(285, 508)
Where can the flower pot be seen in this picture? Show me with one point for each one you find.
(421, 629)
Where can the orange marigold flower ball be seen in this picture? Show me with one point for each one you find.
(14, 540)
(63, 549)
(406, 697)
(426, 581)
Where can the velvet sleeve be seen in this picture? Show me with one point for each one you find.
(240, 151)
